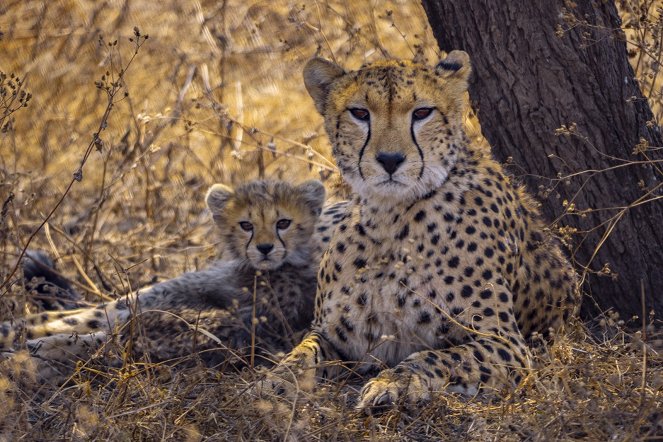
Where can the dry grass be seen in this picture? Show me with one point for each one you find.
(585, 388)
(215, 95)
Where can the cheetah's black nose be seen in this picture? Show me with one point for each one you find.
(265, 248)
(390, 161)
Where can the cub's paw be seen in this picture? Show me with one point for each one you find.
(388, 389)
(30, 370)
(66, 346)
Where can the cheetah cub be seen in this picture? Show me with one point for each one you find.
(265, 287)
(441, 268)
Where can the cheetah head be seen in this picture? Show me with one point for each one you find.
(395, 126)
(268, 223)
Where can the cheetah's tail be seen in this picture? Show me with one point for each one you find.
(52, 291)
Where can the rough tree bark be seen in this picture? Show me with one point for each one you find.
(535, 72)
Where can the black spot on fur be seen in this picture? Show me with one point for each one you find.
(359, 263)
(424, 318)
(401, 301)
(486, 294)
(505, 355)
(345, 323)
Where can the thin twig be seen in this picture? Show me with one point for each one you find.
(78, 174)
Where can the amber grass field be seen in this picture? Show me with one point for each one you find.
(117, 116)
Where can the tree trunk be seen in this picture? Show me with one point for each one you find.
(558, 100)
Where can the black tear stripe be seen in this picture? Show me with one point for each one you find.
(421, 152)
(246, 249)
(278, 235)
(280, 240)
(363, 148)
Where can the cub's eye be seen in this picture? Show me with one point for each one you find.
(246, 226)
(421, 113)
(360, 114)
(283, 224)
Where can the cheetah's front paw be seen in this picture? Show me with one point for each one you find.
(285, 381)
(387, 389)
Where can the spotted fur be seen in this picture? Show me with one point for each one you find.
(266, 235)
(441, 268)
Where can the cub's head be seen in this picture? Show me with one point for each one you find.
(395, 126)
(267, 222)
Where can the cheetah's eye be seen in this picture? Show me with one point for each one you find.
(421, 113)
(360, 114)
(246, 226)
(283, 224)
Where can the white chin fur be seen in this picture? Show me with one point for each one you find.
(298, 257)
(403, 188)
(257, 260)
(265, 265)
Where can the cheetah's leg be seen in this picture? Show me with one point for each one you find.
(81, 321)
(483, 364)
(495, 358)
(214, 285)
(10, 330)
(64, 347)
(312, 358)
(545, 293)
(53, 358)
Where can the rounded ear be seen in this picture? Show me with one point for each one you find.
(319, 74)
(455, 66)
(217, 197)
(313, 193)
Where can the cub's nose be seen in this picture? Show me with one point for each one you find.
(265, 248)
(390, 161)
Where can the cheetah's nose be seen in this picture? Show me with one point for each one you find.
(390, 161)
(265, 248)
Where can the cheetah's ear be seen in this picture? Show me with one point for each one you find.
(313, 193)
(217, 197)
(456, 66)
(319, 74)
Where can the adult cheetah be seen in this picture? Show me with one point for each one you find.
(441, 268)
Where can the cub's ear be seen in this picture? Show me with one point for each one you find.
(217, 197)
(456, 66)
(313, 193)
(319, 74)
